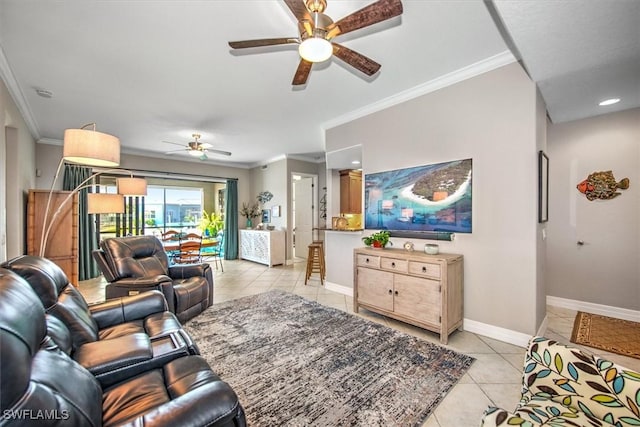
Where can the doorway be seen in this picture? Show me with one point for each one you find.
(303, 209)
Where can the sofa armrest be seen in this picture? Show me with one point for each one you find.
(187, 270)
(115, 359)
(140, 282)
(134, 286)
(126, 309)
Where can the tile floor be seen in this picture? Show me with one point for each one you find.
(494, 379)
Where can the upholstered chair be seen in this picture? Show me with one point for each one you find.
(139, 263)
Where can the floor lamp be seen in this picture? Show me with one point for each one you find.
(91, 148)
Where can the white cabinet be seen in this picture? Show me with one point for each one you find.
(424, 290)
(263, 246)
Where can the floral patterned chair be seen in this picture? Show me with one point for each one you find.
(563, 386)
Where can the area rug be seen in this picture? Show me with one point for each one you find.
(607, 333)
(295, 362)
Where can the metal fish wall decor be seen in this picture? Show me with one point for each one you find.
(602, 185)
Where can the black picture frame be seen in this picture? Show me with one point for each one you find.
(543, 187)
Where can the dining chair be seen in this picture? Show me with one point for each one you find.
(216, 251)
(189, 252)
(171, 236)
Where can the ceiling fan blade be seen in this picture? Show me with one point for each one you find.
(302, 73)
(243, 44)
(298, 8)
(368, 15)
(174, 143)
(356, 60)
(222, 153)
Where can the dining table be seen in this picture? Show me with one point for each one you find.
(174, 245)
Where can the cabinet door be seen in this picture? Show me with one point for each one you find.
(375, 288)
(417, 298)
(355, 194)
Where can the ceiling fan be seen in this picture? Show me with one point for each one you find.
(196, 148)
(317, 30)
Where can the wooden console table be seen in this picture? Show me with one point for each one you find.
(420, 289)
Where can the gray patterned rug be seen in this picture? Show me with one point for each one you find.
(298, 363)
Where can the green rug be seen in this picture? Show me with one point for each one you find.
(298, 363)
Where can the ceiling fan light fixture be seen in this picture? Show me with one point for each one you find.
(195, 153)
(315, 49)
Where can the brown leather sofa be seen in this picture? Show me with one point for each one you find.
(113, 340)
(41, 384)
(139, 263)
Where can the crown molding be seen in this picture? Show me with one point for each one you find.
(50, 141)
(475, 69)
(18, 97)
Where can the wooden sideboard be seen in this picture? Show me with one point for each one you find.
(263, 246)
(62, 245)
(420, 289)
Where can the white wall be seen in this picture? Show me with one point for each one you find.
(606, 269)
(19, 175)
(491, 118)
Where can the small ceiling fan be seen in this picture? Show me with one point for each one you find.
(317, 30)
(196, 148)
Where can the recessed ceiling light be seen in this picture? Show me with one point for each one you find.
(609, 101)
(44, 93)
(355, 162)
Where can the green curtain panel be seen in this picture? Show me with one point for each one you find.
(231, 221)
(74, 175)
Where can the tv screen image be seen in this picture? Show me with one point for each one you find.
(429, 198)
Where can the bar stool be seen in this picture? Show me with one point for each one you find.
(315, 261)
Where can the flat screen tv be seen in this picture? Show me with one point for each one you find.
(420, 201)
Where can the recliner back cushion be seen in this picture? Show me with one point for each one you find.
(59, 298)
(135, 256)
(38, 379)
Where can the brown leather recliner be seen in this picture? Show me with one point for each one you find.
(139, 263)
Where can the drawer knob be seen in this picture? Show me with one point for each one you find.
(424, 269)
(393, 264)
(396, 292)
(390, 291)
(366, 260)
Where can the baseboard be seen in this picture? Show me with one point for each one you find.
(542, 330)
(497, 333)
(345, 290)
(589, 307)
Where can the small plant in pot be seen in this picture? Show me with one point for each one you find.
(378, 240)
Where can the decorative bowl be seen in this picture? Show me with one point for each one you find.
(431, 249)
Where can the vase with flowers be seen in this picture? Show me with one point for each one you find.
(250, 212)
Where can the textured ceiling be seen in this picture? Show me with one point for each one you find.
(150, 71)
(579, 52)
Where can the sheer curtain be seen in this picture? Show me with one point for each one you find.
(231, 221)
(74, 175)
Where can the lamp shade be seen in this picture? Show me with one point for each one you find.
(89, 147)
(315, 49)
(104, 203)
(132, 186)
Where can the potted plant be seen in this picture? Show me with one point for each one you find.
(210, 224)
(378, 240)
